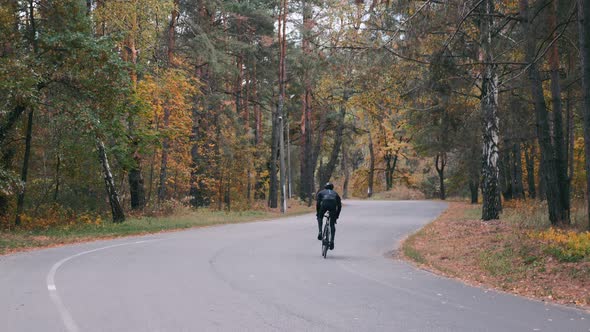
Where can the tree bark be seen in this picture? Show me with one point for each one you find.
(557, 211)
(25, 170)
(116, 210)
(505, 173)
(489, 106)
(584, 34)
(474, 189)
(307, 166)
(346, 171)
(257, 112)
(57, 177)
(200, 192)
(162, 190)
(440, 163)
(281, 102)
(558, 136)
(473, 170)
(272, 191)
(388, 159)
(317, 147)
(338, 135)
(391, 165)
(570, 135)
(529, 155)
(516, 165)
(135, 177)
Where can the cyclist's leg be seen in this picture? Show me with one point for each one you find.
(320, 221)
(332, 226)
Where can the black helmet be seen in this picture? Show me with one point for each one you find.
(329, 186)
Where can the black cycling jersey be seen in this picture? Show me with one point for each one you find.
(328, 199)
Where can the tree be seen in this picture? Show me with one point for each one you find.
(584, 33)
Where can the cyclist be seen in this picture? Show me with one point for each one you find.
(328, 200)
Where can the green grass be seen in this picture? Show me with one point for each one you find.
(499, 263)
(472, 213)
(17, 240)
(411, 252)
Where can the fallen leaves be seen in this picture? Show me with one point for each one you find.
(498, 255)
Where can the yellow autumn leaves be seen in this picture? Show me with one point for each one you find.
(565, 245)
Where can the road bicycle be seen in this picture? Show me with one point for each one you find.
(326, 234)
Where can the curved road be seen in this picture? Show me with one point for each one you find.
(264, 276)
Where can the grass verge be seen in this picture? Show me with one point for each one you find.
(21, 240)
(503, 255)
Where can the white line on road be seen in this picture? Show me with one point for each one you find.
(66, 317)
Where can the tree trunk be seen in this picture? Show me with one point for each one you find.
(306, 186)
(388, 156)
(25, 170)
(136, 185)
(281, 103)
(516, 165)
(489, 106)
(162, 190)
(584, 33)
(474, 170)
(542, 180)
(199, 189)
(570, 136)
(558, 136)
(57, 176)
(257, 112)
(390, 166)
(505, 172)
(283, 173)
(440, 163)
(164, 162)
(317, 147)
(272, 192)
(116, 209)
(371, 167)
(473, 188)
(331, 166)
(346, 171)
(557, 211)
(529, 155)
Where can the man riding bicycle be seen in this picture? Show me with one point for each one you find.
(328, 200)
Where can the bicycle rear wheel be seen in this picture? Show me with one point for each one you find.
(326, 238)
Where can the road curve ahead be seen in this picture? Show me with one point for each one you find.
(264, 276)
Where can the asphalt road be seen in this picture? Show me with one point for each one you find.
(264, 276)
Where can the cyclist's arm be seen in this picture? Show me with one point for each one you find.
(339, 204)
(318, 203)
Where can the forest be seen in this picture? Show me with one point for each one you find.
(134, 107)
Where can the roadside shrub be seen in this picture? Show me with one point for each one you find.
(400, 192)
(565, 245)
(57, 216)
(526, 213)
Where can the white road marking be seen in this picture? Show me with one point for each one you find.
(66, 317)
